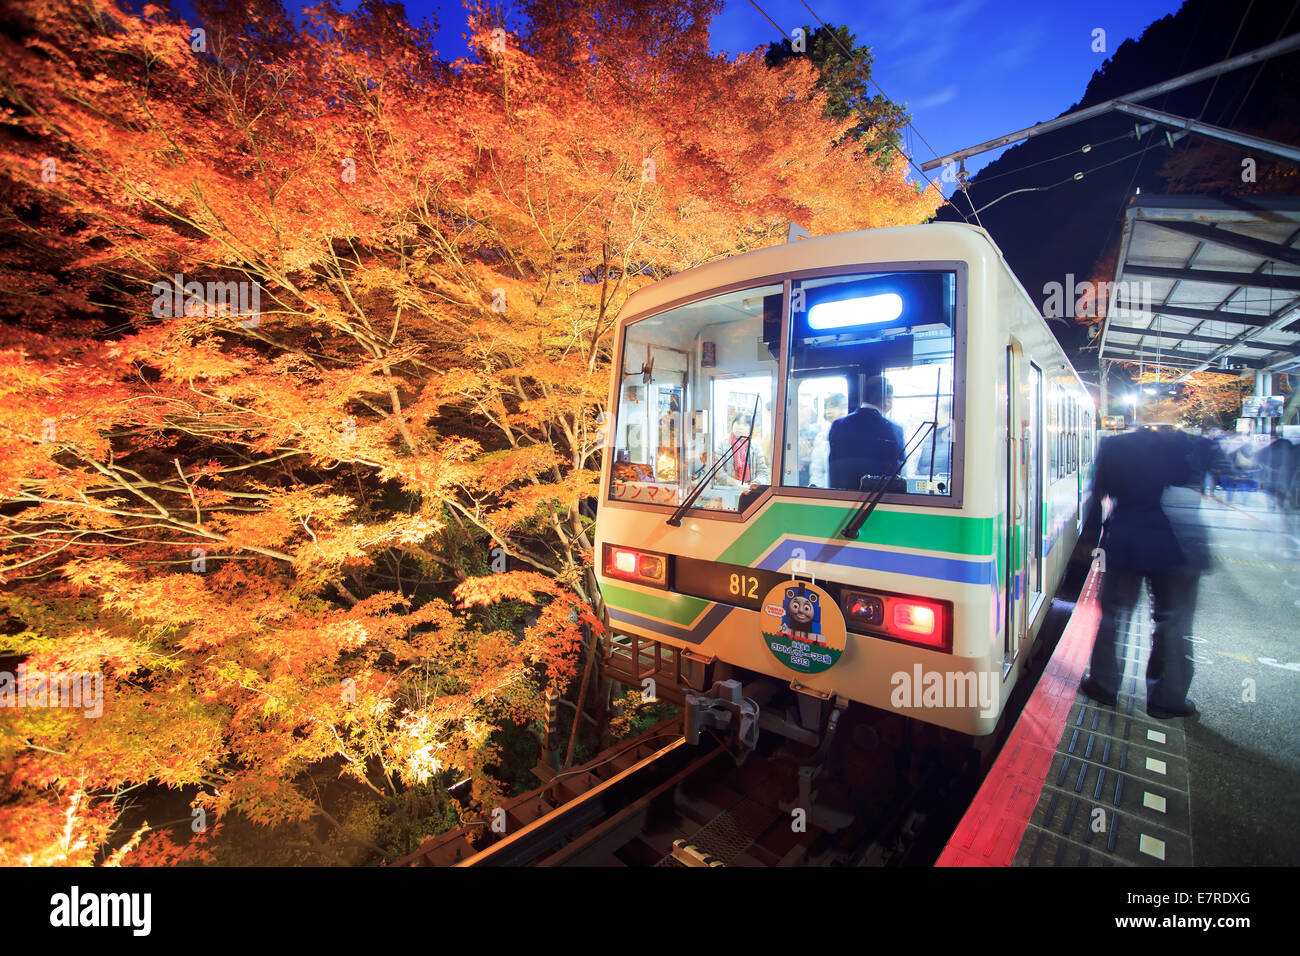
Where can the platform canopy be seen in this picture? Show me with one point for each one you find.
(1207, 284)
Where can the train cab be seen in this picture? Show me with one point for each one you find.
(826, 467)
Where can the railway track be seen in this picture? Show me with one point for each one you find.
(652, 801)
(656, 800)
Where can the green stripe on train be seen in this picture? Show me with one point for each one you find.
(679, 609)
(896, 529)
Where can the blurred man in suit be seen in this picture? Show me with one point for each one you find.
(1139, 541)
(866, 443)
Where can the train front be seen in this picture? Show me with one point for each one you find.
(755, 422)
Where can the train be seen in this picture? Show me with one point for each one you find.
(850, 469)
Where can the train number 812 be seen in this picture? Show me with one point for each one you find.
(744, 585)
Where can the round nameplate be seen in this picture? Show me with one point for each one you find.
(802, 626)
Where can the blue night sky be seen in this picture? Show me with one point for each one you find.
(967, 70)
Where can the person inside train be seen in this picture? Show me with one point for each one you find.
(934, 456)
(866, 443)
(1142, 540)
(748, 464)
(819, 468)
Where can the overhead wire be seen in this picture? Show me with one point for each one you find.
(1213, 86)
(1137, 167)
(1259, 70)
(1074, 177)
(849, 54)
(1124, 199)
(1085, 148)
(872, 80)
(934, 152)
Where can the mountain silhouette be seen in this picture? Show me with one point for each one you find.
(1072, 226)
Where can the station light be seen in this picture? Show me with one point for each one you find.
(863, 310)
(633, 565)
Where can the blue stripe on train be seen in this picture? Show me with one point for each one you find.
(869, 559)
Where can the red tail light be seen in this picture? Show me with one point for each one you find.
(631, 564)
(914, 618)
(902, 617)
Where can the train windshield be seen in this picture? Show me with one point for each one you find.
(869, 401)
(871, 383)
(697, 388)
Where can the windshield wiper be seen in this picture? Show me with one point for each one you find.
(675, 519)
(864, 510)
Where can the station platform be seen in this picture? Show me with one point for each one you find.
(1081, 784)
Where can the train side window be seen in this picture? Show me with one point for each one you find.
(1071, 461)
(1078, 431)
(1075, 417)
(1078, 435)
(1066, 465)
(1083, 437)
(1074, 434)
(1053, 435)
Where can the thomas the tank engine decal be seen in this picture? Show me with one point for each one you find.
(806, 627)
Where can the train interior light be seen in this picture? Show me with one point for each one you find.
(863, 310)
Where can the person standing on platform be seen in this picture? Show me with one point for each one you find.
(1139, 541)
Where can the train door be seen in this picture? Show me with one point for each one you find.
(1034, 484)
(1018, 502)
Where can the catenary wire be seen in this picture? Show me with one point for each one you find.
(920, 172)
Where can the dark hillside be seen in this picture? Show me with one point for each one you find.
(1072, 226)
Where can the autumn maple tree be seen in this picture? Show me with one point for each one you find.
(305, 328)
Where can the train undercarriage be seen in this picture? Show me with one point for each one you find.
(838, 758)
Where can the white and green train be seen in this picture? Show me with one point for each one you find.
(853, 466)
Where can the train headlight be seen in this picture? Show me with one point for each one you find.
(634, 565)
(865, 609)
(651, 567)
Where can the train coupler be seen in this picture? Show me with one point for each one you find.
(826, 817)
(723, 708)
